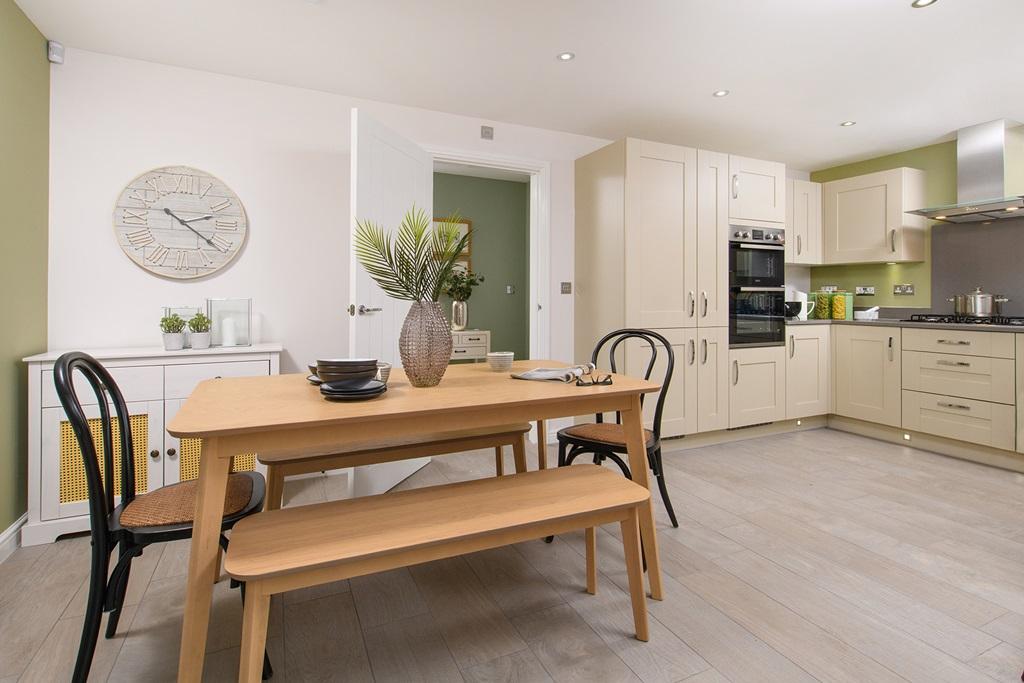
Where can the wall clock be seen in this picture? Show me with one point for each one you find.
(180, 222)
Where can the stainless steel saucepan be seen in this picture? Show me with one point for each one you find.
(978, 304)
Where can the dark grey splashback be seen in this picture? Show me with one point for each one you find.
(968, 256)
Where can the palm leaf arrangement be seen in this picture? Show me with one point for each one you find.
(414, 262)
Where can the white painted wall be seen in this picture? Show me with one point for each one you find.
(285, 151)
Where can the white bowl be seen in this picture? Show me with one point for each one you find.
(500, 361)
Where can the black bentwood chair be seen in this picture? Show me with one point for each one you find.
(159, 516)
(607, 440)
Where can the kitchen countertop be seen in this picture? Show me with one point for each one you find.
(894, 322)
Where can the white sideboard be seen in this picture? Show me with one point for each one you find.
(471, 344)
(154, 383)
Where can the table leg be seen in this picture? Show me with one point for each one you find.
(542, 445)
(632, 421)
(202, 561)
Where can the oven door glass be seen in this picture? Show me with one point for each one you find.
(757, 318)
(756, 265)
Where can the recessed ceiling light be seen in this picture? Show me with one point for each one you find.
(918, 4)
(720, 93)
(566, 56)
(847, 124)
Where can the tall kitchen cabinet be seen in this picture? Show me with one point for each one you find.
(644, 211)
(865, 219)
(803, 223)
(868, 373)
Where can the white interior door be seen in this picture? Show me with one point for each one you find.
(390, 175)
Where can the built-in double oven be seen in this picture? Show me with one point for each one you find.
(757, 286)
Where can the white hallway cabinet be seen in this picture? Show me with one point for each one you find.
(154, 383)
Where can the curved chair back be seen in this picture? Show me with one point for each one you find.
(653, 341)
(101, 488)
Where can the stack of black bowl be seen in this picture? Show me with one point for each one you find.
(348, 379)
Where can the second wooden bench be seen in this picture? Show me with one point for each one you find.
(293, 548)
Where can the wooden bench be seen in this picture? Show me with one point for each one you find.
(284, 464)
(293, 548)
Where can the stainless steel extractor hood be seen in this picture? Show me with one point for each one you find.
(982, 172)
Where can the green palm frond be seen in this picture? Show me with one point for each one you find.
(413, 263)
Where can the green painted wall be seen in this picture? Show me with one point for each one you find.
(24, 164)
(500, 212)
(939, 164)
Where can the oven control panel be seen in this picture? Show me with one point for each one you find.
(757, 235)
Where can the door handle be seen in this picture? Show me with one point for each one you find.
(892, 240)
(154, 454)
(363, 310)
(736, 372)
(891, 358)
(693, 351)
(956, 406)
(799, 245)
(704, 295)
(792, 345)
(704, 351)
(171, 452)
(693, 303)
(735, 186)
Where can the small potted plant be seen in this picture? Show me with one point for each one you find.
(199, 326)
(173, 328)
(459, 286)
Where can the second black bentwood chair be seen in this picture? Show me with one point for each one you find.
(607, 440)
(162, 515)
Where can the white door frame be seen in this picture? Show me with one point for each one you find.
(540, 232)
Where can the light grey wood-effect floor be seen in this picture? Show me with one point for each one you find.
(810, 556)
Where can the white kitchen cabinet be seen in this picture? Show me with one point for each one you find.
(757, 386)
(712, 378)
(803, 222)
(865, 219)
(808, 370)
(963, 419)
(757, 190)
(867, 374)
(712, 239)
(680, 413)
(1020, 392)
(661, 235)
(154, 384)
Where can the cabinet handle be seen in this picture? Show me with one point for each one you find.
(693, 303)
(792, 345)
(891, 358)
(704, 351)
(736, 372)
(954, 363)
(892, 240)
(957, 406)
(735, 186)
(459, 351)
(799, 245)
(954, 342)
(704, 296)
(154, 454)
(693, 351)
(474, 338)
(171, 452)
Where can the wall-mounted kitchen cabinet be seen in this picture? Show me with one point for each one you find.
(808, 370)
(757, 190)
(803, 223)
(757, 386)
(865, 219)
(868, 381)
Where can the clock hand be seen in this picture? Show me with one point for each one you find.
(199, 218)
(185, 223)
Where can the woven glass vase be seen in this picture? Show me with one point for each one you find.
(425, 344)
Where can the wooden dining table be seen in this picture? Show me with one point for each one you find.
(286, 414)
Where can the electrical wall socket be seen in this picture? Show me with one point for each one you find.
(864, 291)
(487, 132)
(566, 288)
(903, 290)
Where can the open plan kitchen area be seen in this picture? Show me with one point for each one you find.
(579, 342)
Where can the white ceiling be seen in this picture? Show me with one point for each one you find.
(645, 68)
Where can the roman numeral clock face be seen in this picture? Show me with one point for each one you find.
(179, 222)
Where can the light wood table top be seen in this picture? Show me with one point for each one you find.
(238, 405)
(286, 415)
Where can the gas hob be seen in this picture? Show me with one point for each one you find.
(966, 320)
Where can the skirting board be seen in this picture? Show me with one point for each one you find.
(9, 538)
(741, 434)
(995, 457)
